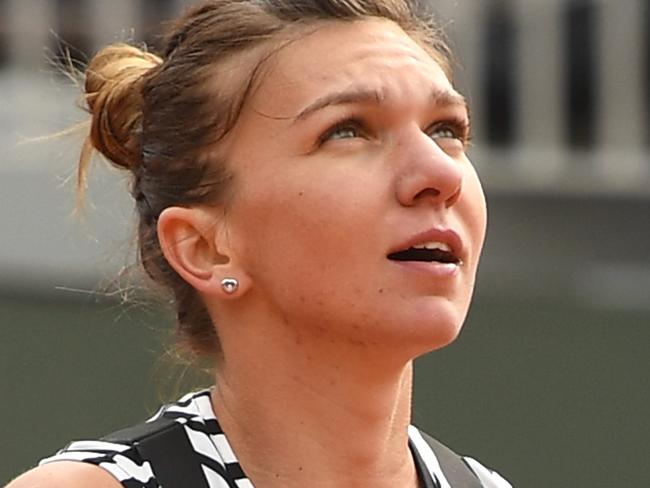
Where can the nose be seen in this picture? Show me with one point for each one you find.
(428, 175)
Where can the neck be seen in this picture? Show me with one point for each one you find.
(320, 413)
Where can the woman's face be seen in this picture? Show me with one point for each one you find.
(349, 153)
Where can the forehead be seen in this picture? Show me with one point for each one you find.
(375, 53)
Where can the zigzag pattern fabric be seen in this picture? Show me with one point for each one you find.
(217, 459)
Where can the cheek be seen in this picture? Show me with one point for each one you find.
(475, 210)
(300, 224)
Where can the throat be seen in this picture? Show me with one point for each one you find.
(304, 438)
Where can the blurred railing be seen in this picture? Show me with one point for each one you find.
(559, 88)
(559, 91)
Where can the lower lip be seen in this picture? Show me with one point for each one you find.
(432, 269)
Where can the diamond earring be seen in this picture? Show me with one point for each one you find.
(229, 285)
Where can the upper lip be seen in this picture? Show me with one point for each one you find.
(437, 234)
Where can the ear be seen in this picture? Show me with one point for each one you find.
(194, 242)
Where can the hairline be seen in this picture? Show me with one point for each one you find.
(270, 49)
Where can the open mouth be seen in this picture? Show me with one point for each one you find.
(430, 252)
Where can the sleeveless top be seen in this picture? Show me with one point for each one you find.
(209, 448)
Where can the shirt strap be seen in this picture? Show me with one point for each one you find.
(457, 472)
(164, 443)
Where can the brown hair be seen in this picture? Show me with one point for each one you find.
(161, 117)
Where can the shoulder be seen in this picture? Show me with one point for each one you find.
(116, 460)
(120, 460)
(66, 474)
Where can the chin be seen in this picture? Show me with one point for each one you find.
(435, 327)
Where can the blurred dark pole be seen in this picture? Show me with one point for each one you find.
(581, 72)
(500, 71)
(4, 34)
(71, 31)
(156, 15)
(645, 23)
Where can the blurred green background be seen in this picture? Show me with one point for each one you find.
(547, 394)
(548, 382)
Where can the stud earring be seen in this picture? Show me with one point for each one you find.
(229, 285)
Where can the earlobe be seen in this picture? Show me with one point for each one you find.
(191, 240)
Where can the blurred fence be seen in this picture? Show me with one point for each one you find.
(560, 93)
(559, 88)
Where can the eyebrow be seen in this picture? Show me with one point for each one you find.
(439, 97)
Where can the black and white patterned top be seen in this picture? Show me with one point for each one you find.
(218, 461)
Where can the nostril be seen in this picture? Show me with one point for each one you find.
(427, 192)
(453, 198)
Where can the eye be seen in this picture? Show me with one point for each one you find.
(444, 133)
(346, 129)
(451, 135)
(344, 133)
(452, 129)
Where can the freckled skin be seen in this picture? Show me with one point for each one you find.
(319, 261)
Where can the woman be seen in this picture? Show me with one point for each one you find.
(303, 191)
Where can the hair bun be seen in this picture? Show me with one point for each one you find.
(113, 95)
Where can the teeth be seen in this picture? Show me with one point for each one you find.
(433, 245)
